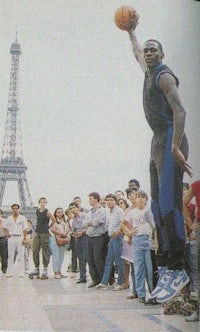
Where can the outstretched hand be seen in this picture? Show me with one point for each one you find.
(180, 159)
(131, 25)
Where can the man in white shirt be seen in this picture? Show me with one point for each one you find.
(17, 226)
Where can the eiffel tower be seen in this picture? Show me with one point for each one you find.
(12, 167)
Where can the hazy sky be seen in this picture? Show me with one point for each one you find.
(83, 127)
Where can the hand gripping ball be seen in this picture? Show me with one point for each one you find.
(126, 17)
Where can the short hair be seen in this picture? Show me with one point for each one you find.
(119, 191)
(129, 190)
(137, 183)
(77, 197)
(12, 206)
(124, 200)
(142, 193)
(95, 195)
(67, 211)
(41, 198)
(111, 196)
(157, 42)
(73, 204)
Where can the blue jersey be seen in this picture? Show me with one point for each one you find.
(157, 110)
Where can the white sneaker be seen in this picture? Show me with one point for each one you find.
(9, 275)
(102, 286)
(118, 287)
(173, 282)
(194, 317)
(194, 295)
(160, 283)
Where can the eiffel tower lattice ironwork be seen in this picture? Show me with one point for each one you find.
(12, 167)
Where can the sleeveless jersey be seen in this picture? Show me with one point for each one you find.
(42, 225)
(158, 112)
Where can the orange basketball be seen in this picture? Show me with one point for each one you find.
(126, 15)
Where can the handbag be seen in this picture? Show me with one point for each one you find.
(62, 241)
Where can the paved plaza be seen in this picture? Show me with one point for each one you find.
(63, 305)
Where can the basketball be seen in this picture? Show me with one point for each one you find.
(126, 15)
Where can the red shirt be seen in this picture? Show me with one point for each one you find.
(191, 209)
(196, 188)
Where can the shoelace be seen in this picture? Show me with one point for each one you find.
(161, 273)
(167, 278)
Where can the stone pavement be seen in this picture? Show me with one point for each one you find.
(63, 305)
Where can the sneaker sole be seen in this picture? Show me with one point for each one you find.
(154, 295)
(101, 288)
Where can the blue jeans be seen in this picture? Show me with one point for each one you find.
(82, 253)
(142, 264)
(193, 266)
(57, 255)
(27, 250)
(114, 254)
(133, 279)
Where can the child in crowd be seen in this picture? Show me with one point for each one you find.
(28, 244)
(73, 266)
(141, 220)
(126, 246)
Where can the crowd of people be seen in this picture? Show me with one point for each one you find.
(115, 242)
(122, 240)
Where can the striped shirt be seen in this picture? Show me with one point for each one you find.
(98, 218)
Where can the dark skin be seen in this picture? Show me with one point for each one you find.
(148, 57)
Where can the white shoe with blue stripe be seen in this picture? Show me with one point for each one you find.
(173, 281)
(160, 284)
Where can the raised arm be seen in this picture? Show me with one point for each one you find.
(167, 84)
(137, 49)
